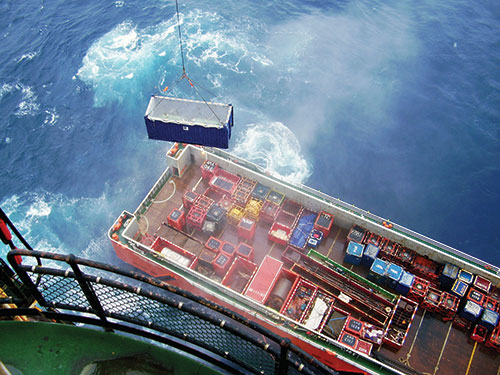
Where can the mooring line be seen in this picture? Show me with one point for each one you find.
(442, 349)
(406, 361)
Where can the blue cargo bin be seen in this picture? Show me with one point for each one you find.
(393, 275)
(489, 319)
(369, 255)
(189, 121)
(354, 253)
(459, 288)
(448, 276)
(465, 276)
(471, 311)
(377, 271)
(405, 283)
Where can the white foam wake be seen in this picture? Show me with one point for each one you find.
(121, 61)
(129, 60)
(55, 223)
(28, 105)
(274, 147)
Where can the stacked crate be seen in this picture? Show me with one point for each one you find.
(243, 190)
(253, 208)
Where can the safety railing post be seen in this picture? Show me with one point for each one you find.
(283, 362)
(87, 290)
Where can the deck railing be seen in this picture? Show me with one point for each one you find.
(79, 290)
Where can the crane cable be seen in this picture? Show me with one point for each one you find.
(180, 38)
(184, 74)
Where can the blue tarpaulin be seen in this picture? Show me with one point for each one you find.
(302, 231)
(189, 121)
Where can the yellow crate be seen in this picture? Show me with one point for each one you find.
(234, 215)
(252, 209)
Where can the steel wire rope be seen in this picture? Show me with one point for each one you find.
(184, 74)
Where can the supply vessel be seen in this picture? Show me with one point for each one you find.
(357, 292)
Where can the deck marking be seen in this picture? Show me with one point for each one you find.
(222, 231)
(169, 197)
(271, 249)
(406, 361)
(442, 349)
(470, 359)
(196, 185)
(498, 372)
(147, 224)
(333, 243)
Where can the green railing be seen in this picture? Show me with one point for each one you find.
(353, 275)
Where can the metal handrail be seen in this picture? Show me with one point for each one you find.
(286, 355)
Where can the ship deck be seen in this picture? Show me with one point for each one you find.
(431, 347)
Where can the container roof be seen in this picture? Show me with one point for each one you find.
(188, 112)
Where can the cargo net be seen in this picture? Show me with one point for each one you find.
(124, 299)
(62, 292)
(182, 324)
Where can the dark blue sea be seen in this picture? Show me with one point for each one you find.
(393, 106)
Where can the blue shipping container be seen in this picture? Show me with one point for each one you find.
(471, 311)
(189, 121)
(448, 276)
(465, 276)
(459, 288)
(354, 253)
(377, 271)
(405, 283)
(393, 275)
(489, 319)
(369, 255)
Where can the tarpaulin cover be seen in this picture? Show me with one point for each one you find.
(189, 121)
(302, 231)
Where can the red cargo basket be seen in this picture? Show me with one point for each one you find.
(476, 296)
(353, 326)
(432, 299)
(204, 202)
(188, 199)
(176, 219)
(208, 169)
(245, 251)
(279, 234)
(214, 244)
(324, 223)
(291, 207)
(196, 217)
(419, 289)
(246, 228)
(448, 306)
(482, 284)
(269, 211)
(426, 268)
(349, 340)
(364, 347)
(373, 239)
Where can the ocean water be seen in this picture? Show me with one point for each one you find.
(393, 106)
